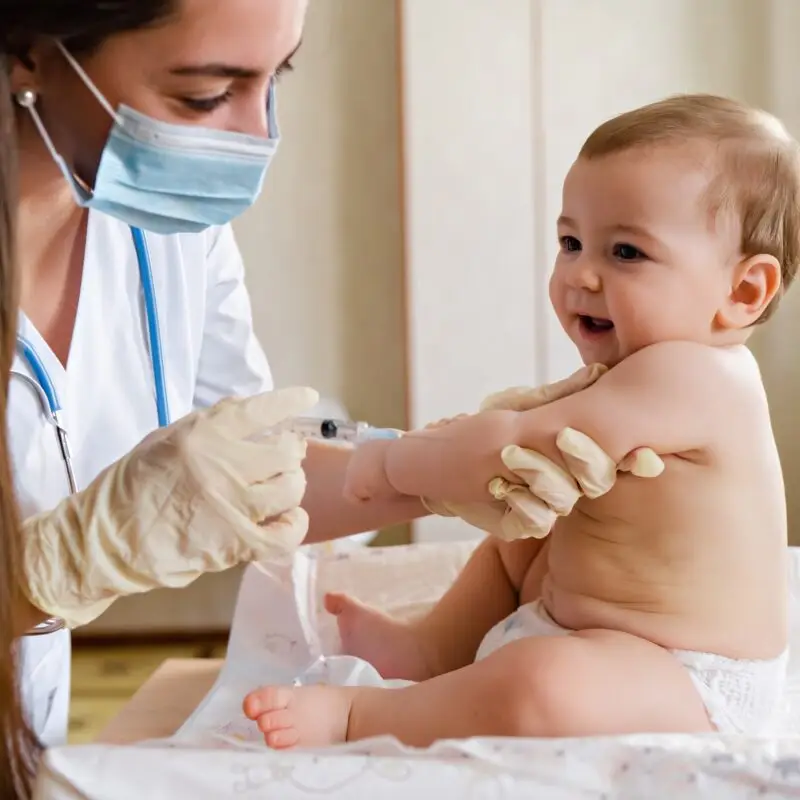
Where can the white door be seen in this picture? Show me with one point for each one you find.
(497, 99)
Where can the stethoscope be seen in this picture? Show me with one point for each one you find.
(43, 387)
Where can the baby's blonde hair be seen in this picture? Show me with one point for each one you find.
(757, 171)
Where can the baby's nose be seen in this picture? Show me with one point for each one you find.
(584, 276)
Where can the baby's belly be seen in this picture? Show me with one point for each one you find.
(582, 596)
(606, 577)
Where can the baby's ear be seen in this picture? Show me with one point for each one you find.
(755, 283)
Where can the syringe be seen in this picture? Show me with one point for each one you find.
(333, 430)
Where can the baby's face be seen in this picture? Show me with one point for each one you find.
(641, 260)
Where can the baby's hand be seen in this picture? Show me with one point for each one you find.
(456, 460)
(366, 473)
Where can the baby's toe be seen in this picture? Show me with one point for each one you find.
(265, 700)
(282, 738)
(276, 720)
(337, 603)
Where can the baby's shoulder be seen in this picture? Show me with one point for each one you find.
(712, 373)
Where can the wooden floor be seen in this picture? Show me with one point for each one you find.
(104, 677)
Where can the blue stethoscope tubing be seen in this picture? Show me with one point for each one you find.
(46, 385)
(45, 388)
(153, 328)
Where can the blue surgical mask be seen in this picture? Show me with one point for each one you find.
(168, 178)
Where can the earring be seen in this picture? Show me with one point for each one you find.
(26, 98)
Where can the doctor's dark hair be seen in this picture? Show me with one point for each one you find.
(17, 745)
(82, 25)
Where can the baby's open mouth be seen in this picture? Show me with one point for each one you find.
(595, 324)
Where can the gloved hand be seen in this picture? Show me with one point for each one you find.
(201, 495)
(529, 509)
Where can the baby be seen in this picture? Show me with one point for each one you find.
(662, 605)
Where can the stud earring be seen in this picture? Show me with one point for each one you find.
(26, 98)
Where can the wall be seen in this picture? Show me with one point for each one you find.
(776, 344)
(323, 246)
(498, 99)
(323, 252)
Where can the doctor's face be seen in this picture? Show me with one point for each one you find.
(209, 63)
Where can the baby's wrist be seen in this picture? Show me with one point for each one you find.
(367, 478)
(384, 485)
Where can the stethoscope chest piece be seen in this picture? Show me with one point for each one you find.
(52, 625)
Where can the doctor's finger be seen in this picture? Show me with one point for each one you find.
(643, 463)
(592, 467)
(259, 461)
(524, 398)
(242, 418)
(280, 494)
(527, 517)
(285, 531)
(545, 479)
(577, 382)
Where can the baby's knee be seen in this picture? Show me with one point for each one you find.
(542, 696)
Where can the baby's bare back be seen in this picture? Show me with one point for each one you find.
(693, 560)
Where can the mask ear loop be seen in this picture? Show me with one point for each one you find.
(27, 98)
(89, 83)
(272, 112)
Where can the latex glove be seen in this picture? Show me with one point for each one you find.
(546, 491)
(201, 495)
(524, 398)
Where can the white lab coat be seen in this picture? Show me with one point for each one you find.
(107, 391)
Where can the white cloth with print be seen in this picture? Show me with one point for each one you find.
(213, 758)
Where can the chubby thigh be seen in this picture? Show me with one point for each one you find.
(598, 682)
(587, 683)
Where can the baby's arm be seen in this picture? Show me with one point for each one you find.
(665, 396)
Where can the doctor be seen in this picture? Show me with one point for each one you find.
(141, 128)
(134, 310)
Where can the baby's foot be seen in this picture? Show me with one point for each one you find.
(391, 646)
(302, 716)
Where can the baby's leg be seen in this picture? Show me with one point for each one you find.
(585, 684)
(390, 645)
(444, 640)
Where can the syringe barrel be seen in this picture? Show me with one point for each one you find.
(333, 430)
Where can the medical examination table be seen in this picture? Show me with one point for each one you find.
(403, 581)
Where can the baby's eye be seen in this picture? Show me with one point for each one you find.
(569, 244)
(627, 252)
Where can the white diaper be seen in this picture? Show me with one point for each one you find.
(740, 696)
